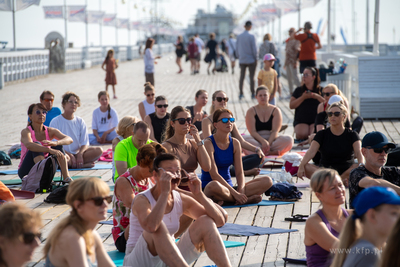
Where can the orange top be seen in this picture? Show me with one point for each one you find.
(5, 193)
(308, 41)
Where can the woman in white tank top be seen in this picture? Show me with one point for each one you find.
(147, 106)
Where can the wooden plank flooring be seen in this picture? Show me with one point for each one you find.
(264, 250)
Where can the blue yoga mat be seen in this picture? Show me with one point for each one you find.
(262, 203)
(106, 222)
(97, 166)
(248, 230)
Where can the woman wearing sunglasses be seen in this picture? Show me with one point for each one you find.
(127, 186)
(305, 101)
(263, 122)
(196, 111)
(225, 151)
(338, 146)
(19, 234)
(157, 120)
(146, 107)
(74, 240)
(250, 163)
(37, 143)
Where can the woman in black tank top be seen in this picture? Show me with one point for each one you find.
(263, 122)
(157, 121)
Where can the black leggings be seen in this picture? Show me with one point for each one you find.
(28, 162)
(249, 162)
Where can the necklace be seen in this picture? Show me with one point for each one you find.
(181, 147)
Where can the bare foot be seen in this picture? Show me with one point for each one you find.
(252, 172)
(254, 199)
(88, 165)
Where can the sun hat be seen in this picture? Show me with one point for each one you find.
(269, 57)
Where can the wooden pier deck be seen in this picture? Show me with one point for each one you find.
(263, 250)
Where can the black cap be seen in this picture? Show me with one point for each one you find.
(248, 23)
(376, 140)
(307, 25)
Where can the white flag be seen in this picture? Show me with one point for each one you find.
(293, 4)
(123, 23)
(5, 5)
(22, 4)
(95, 16)
(77, 13)
(53, 12)
(109, 19)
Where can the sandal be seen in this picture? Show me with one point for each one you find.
(67, 180)
(297, 218)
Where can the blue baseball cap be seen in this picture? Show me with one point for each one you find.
(376, 140)
(372, 197)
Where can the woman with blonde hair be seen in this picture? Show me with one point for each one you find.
(376, 211)
(323, 227)
(124, 130)
(74, 241)
(338, 146)
(250, 162)
(19, 234)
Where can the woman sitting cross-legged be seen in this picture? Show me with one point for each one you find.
(263, 122)
(37, 143)
(337, 145)
(74, 240)
(225, 151)
(323, 227)
(250, 163)
(127, 186)
(157, 121)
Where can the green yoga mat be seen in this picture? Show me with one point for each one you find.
(118, 257)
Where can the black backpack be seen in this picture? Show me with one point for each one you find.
(58, 195)
(4, 158)
(393, 159)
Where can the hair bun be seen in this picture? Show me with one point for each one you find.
(160, 150)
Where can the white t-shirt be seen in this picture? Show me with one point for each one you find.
(101, 122)
(148, 61)
(75, 128)
(231, 45)
(200, 43)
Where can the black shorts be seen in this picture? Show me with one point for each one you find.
(307, 63)
(120, 243)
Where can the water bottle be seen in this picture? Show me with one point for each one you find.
(283, 174)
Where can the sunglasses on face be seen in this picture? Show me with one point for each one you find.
(337, 114)
(380, 150)
(148, 95)
(48, 100)
(183, 120)
(225, 120)
(219, 99)
(98, 201)
(327, 94)
(40, 112)
(162, 106)
(28, 238)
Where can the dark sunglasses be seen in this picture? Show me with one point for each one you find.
(225, 120)
(162, 106)
(48, 100)
(28, 238)
(219, 99)
(380, 150)
(184, 176)
(98, 201)
(337, 114)
(183, 120)
(150, 95)
(327, 94)
(40, 112)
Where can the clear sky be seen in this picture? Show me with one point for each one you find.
(31, 27)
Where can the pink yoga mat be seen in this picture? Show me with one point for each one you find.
(22, 194)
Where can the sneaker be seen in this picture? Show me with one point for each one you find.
(241, 96)
(283, 127)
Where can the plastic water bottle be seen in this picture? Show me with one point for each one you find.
(283, 174)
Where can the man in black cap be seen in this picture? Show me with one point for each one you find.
(375, 149)
(307, 56)
(246, 50)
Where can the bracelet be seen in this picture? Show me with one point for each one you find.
(257, 149)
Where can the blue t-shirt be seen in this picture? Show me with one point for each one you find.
(223, 160)
(54, 112)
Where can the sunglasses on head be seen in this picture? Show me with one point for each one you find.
(28, 238)
(183, 120)
(162, 106)
(225, 120)
(219, 99)
(40, 112)
(380, 150)
(148, 95)
(327, 94)
(98, 201)
(337, 114)
(48, 100)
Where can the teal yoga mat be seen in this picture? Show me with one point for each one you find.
(12, 182)
(97, 166)
(262, 203)
(118, 257)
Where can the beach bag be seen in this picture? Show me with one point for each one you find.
(4, 158)
(41, 175)
(58, 195)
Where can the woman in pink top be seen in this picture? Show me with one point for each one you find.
(127, 186)
(37, 143)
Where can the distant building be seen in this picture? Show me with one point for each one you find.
(222, 23)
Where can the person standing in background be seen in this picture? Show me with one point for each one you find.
(200, 45)
(292, 52)
(110, 65)
(231, 45)
(149, 61)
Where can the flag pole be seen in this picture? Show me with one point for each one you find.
(116, 24)
(86, 20)
(100, 25)
(129, 23)
(65, 24)
(13, 15)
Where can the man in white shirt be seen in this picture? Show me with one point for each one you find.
(80, 155)
(200, 45)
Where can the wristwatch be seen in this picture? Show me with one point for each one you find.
(257, 149)
(200, 143)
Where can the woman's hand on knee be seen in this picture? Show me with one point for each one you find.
(301, 172)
